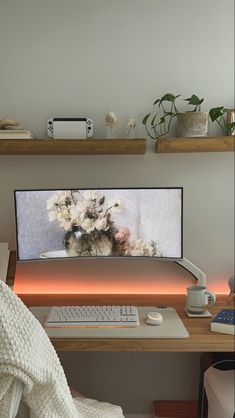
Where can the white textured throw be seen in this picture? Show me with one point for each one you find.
(27, 354)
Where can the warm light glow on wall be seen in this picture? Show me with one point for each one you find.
(109, 277)
(124, 285)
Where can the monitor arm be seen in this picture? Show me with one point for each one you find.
(194, 270)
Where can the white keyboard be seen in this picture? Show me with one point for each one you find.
(92, 316)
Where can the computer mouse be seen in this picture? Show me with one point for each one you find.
(154, 318)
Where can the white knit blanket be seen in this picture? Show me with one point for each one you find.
(27, 354)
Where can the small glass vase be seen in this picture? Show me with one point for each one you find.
(131, 129)
(110, 131)
(110, 125)
(131, 133)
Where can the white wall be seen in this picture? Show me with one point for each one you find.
(88, 57)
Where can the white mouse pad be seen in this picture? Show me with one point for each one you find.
(171, 327)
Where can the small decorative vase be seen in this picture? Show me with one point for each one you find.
(110, 131)
(110, 125)
(130, 129)
(192, 124)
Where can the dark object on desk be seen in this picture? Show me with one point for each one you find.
(175, 409)
(224, 322)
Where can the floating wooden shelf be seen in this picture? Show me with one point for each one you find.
(72, 146)
(205, 144)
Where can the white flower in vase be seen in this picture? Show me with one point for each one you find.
(51, 202)
(130, 128)
(78, 213)
(110, 125)
(88, 225)
(92, 195)
(116, 205)
(140, 248)
(101, 224)
(52, 215)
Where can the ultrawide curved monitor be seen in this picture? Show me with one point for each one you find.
(84, 223)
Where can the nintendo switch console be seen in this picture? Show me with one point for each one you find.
(69, 128)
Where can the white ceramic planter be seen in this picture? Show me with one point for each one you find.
(191, 124)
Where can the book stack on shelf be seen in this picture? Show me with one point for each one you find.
(12, 129)
(15, 134)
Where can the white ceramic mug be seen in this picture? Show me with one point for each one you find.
(197, 299)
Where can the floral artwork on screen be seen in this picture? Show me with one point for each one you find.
(102, 223)
(90, 230)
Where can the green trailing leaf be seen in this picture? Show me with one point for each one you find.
(216, 113)
(169, 114)
(168, 97)
(144, 121)
(162, 120)
(231, 126)
(194, 100)
(156, 101)
(153, 120)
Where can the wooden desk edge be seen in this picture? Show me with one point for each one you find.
(200, 339)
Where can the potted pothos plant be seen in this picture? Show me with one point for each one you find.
(191, 123)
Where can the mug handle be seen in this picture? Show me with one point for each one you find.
(212, 297)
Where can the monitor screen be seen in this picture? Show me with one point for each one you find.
(133, 222)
